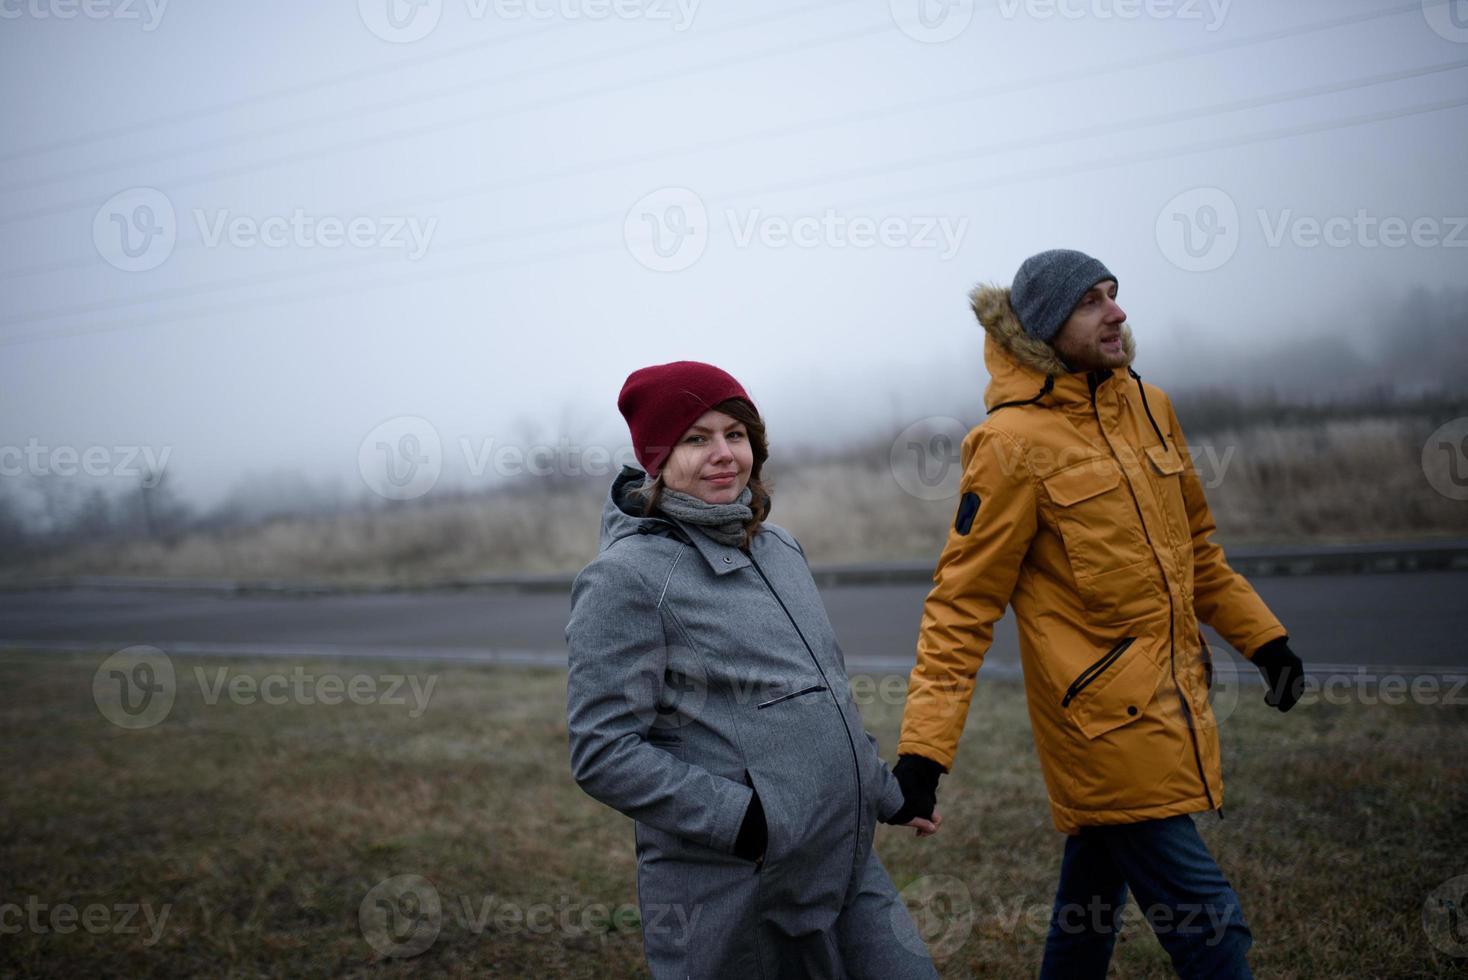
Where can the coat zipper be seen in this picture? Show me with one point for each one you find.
(787, 697)
(855, 759)
(1171, 627)
(1095, 670)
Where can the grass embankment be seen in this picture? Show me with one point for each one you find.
(248, 834)
(1306, 480)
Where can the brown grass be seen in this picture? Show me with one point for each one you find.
(263, 828)
(1308, 482)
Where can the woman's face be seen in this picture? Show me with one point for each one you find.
(712, 460)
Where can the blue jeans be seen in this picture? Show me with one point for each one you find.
(1177, 884)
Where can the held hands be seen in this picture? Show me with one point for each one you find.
(926, 828)
(1283, 672)
(918, 777)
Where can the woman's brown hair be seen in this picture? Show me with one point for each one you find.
(743, 412)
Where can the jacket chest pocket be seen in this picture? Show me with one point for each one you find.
(1093, 513)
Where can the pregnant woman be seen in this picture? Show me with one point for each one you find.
(707, 699)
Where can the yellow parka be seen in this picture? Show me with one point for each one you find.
(1080, 506)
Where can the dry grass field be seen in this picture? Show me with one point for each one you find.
(1308, 481)
(242, 838)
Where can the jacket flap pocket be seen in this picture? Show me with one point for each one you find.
(1082, 482)
(1119, 696)
(1165, 459)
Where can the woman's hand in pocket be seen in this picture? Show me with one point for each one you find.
(926, 828)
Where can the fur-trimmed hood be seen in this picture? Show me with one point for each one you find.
(1018, 363)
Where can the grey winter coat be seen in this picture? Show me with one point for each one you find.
(697, 672)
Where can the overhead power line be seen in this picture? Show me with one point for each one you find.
(817, 124)
(1028, 175)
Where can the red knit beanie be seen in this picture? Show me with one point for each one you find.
(662, 401)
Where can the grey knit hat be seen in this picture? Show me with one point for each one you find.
(1048, 286)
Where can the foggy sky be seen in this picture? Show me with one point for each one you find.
(520, 146)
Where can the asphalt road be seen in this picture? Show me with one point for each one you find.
(1405, 621)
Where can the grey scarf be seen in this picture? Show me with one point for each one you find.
(722, 522)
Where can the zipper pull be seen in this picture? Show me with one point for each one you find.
(1220, 813)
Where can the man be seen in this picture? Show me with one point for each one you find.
(1080, 506)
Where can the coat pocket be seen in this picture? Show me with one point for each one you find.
(793, 694)
(1098, 524)
(1087, 676)
(1114, 690)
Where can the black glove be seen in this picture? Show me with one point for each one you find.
(1283, 672)
(753, 834)
(918, 777)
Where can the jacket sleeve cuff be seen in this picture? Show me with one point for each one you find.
(892, 799)
(1253, 644)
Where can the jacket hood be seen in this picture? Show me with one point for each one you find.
(622, 513)
(1018, 363)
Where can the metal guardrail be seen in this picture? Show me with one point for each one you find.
(1422, 556)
